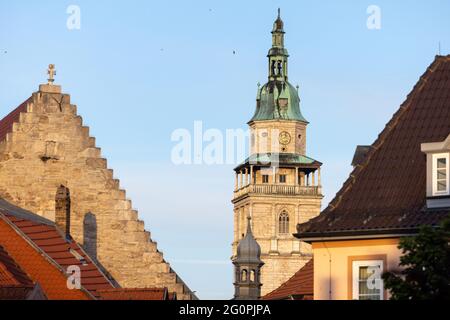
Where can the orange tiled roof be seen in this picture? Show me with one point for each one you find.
(14, 282)
(7, 122)
(45, 236)
(299, 287)
(10, 273)
(135, 294)
(36, 265)
(36, 246)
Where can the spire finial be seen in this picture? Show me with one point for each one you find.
(279, 13)
(51, 73)
(249, 225)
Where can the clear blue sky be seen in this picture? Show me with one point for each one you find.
(140, 69)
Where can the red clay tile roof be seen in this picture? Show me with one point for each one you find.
(299, 287)
(47, 237)
(10, 273)
(14, 282)
(135, 294)
(387, 192)
(31, 245)
(7, 122)
(36, 265)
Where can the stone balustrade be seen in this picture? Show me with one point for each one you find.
(278, 189)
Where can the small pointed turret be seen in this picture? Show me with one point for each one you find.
(248, 267)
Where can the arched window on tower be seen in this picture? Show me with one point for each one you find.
(252, 276)
(283, 223)
(244, 275)
(280, 68)
(274, 68)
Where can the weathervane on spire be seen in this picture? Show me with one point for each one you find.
(51, 74)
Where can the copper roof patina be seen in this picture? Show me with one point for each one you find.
(278, 99)
(281, 159)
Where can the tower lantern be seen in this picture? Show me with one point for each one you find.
(278, 55)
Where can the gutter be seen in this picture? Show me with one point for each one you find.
(355, 235)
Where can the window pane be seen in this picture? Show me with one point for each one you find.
(283, 223)
(369, 283)
(441, 163)
(441, 174)
(442, 185)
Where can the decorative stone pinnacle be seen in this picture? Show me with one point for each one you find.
(249, 224)
(51, 73)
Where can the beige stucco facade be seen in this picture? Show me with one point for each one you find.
(333, 260)
(50, 147)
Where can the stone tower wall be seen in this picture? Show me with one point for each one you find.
(283, 255)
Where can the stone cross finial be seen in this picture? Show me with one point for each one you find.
(51, 74)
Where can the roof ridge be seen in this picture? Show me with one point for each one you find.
(132, 289)
(390, 126)
(23, 214)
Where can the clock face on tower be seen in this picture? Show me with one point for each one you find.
(285, 138)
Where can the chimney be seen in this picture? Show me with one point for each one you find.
(62, 210)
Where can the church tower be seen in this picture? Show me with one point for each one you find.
(278, 186)
(247, 268)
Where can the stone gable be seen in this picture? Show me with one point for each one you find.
(48, 148)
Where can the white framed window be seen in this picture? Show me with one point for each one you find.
(367, 281)
(440, 174)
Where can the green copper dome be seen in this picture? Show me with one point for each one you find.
(278, 99)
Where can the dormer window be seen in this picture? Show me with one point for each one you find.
(440, 174)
